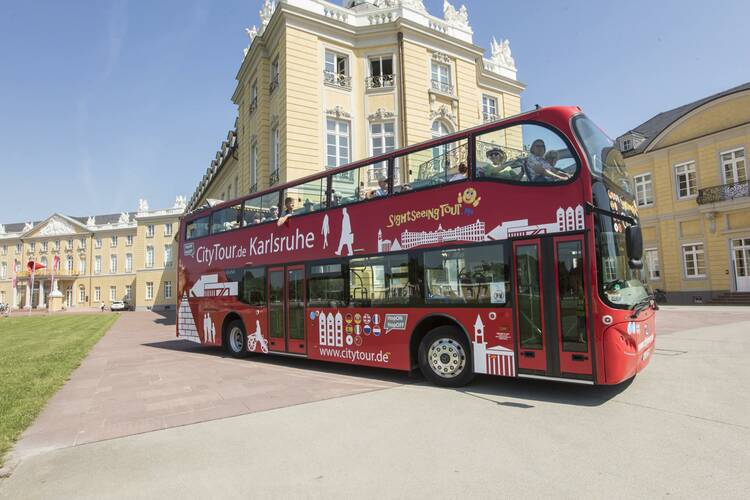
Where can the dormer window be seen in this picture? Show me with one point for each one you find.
(627, 144)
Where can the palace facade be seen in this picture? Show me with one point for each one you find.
(128, 256)
(693, 193)
(323, 84)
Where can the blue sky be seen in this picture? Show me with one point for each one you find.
(104, 102)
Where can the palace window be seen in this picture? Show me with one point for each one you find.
(69, 264)
(150, 230)
(112, 293)
(98, 243)
(337, 143)
(254, 168)
(129, 240)
(336, 71)
(5, 249)
(70, 245)
(275, 155)
(382, 140)
(128, 292)
(82, 244)
(167, 255)
(167, 289)
(274, 76)
(56, 245)
(3, 270)
(97, 264)
(441, 78)
(18, 248)
(644, 190)
(113, 264)
(168, 228)
(734, 166)
(687, 186)
(254, 96)
(113, 241)
(81, 293)
(149, 290)
(97, 294)
(44, 246)
(82, 266)
(652, 261)
(149, 256)
(381, 72)
(489, 108)
(129, 263)
(694, 260)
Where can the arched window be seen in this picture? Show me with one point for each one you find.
(440, 128)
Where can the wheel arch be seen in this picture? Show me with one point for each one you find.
(228, 319)
(424, 326)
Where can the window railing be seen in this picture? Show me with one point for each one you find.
(253, 105)
(273, 178)
(444, 87)
(723, 192)
(489, 117)
(274, 84)
(337, 80)
(379, 81)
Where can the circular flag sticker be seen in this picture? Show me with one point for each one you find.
(349, 340)
(366, 319)
(312, 314)
(349, 329)
(367, 329)
(348, 317)
(358, 341)
(358, 318)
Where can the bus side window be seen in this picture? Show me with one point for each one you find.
(357, 184)
(380, 280)
(305, 198)
(251, 284)
(326, 286)
(473, 275)
(196, 228)
(524, 153)
(251, 212)
(432, 166)
(226, 219)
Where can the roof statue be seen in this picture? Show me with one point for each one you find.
(265, 14)
(251, 34)
(414, 4)
(28, 226)
(91, 221)
(142, 205)
(501, 54)
(124, 218)
(180, 202)
(455, 17)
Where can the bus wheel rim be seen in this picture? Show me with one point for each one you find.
(235, 337)
(447, 358)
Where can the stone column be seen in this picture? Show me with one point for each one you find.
(28, 296)
(40, 301)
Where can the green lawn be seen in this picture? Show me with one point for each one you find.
(37, 355)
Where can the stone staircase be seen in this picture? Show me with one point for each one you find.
(732, 299)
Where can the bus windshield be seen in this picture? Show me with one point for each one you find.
(603, 156)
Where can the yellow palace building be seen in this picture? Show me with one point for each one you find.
(322, 84)
(691, 181)
(102, 258)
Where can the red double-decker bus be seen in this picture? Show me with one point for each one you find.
(509, 249)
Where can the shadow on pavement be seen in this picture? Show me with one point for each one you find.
(524, 391)
(167, 317)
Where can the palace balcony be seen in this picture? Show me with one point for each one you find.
(338, 80)
(47, 273)
(724, 192)
(379, 82)
(442, 87)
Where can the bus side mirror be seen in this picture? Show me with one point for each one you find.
(634, 244)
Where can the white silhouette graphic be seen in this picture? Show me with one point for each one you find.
(569, 219)
(209, 329)
(331, 330)
(387, 245)
(324, 231)
(185, 322)
(209, 286)
(347, 237)
(494, 360)
(471, 232)
(256, 338)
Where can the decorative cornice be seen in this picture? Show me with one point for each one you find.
(441, 57)
(381, 114)
(338, 112)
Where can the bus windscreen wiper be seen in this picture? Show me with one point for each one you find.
(642, 305)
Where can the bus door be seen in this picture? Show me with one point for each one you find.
(286, 309)
(550, 289)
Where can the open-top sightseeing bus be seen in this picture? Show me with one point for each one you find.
(510, 249)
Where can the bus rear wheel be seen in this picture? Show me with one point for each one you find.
(444, 357)
(236, 339)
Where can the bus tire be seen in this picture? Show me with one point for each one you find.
(445, 357)
(236, 340)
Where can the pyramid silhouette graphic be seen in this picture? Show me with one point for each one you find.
(186, 324)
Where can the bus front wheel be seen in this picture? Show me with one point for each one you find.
(236, 339)
(444, 357)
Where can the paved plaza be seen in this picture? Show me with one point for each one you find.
(150, 416)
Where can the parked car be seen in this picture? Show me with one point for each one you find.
(120, 305)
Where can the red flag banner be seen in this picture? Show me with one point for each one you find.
(34, 266)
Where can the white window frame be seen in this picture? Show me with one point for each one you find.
(694, 253)
(150, 230)
(128, 262)
(440, 76)
(98, 243)
(128, 292)
(652, 257)
(644, 183)
(337, 135)
(254, 166)
(168, 228)
(167, 289)
(112, 293)
(149, 257)
(44, 247)
(149, 290)
(81, 294)
(69, 264)
(129, 240)
(733, 162)
(82, 265)
(692, 190)
(113, 241)
(275, 150)
(56, 245)
(97, 264)
(489, 107)
(97, 294)
(113, 264)
(168, 256)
